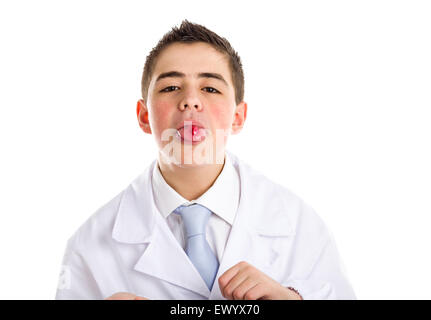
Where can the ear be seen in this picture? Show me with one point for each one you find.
(142, 114)
(239, 117)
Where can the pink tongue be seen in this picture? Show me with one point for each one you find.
(191, 133)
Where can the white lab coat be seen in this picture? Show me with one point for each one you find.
(127, 246)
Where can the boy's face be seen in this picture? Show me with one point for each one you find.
(191, 82)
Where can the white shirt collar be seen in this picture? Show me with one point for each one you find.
(222, 198)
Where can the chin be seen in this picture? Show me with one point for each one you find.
(187, 156)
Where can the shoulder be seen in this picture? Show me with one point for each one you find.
(125, 210)
(281, 204)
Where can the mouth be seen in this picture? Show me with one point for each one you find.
(191, 132)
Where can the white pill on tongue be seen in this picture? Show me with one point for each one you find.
(192, 133)
(198, 133)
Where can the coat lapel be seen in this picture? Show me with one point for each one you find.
(165, 259)
(138, 221)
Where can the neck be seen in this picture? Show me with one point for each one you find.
(190, 182)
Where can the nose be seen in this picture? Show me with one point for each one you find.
(190, 101)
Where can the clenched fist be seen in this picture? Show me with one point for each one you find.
(245, 282)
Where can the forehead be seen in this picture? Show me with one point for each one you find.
(191, 59)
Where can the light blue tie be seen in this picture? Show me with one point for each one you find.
(195, 218)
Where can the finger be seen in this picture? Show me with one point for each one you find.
(258, 292)
(234, 282)
(141, 298)
(240, 291)
(224, 279)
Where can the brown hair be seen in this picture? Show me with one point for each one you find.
(188, 33)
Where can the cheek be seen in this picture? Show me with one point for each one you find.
(160, 117)
(221, 117)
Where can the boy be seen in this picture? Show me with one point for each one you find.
(199, 223)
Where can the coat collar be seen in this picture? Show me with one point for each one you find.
(136, 215)
(135, 220)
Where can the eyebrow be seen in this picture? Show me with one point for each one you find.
(176, 74)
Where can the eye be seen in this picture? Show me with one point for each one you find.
(211, 90)
(169, 89)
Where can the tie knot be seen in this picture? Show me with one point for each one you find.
(195, 218)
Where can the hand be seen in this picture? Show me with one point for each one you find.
(245, 282)
(125, 296)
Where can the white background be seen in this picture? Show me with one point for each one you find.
(339, 112)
